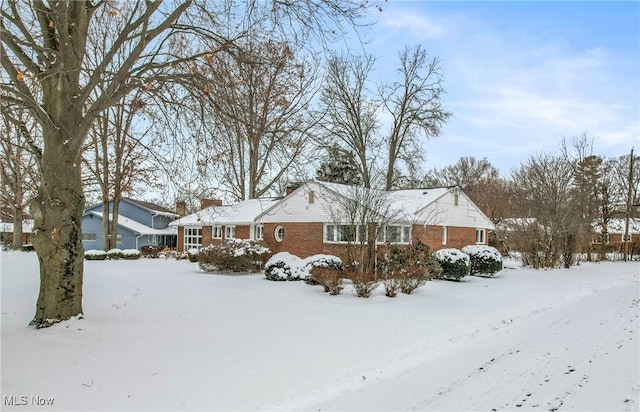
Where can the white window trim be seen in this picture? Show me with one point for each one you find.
(192, 237)
(230, 232)
(444, 235)
(481, 236)
(276, 233)
(258, 232)
(215, 235)
(405, 234)
(336, 232)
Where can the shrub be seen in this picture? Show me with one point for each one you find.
(329, 278)
(192, 255)
(455, 264)
(391, 285)
(364, 283)
(408, 268)
(282, 266)
(114, 254)
(236, 255)
(150, 251)
(306, 269)
(94, 254)
(131, 254)
(485, 260)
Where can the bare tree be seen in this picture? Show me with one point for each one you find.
(43, 52)
(258, 100)
(546, 181)
(18, 168)
(415, 105)
(481, 181)
(117, 159)
(351, 122)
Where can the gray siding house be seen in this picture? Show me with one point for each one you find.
(139, 224)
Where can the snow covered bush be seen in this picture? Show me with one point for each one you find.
(237, 255)
(94, 254)
(485, 260)
(131, 254)
(283, 266)
(192, 255)
(455, 264)
(114, 254)
(311, 264)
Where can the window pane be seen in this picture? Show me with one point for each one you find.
(346, 233)
(330, 233)
(393, 234)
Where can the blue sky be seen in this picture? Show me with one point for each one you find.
(520, 76)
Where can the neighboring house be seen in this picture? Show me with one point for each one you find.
(319, 217)
(216, 223)
(139, 224)
(6, 231)
(615, 236)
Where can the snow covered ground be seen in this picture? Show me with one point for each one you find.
(162, 335)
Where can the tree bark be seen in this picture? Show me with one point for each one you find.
(16, 241)
(57, 237)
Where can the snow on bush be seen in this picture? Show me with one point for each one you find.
(282, 266)
(114, 254)
(192, 255)
(455, 264)
(94, 254)
(485, 260)
(131, 254)
(318, 261)
(237, 255)
(285, 266)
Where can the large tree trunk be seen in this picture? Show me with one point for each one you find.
(57, 210)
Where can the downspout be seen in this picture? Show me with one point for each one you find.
(138, 237)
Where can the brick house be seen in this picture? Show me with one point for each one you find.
(320, 217)
(615, 238)
(216, 223)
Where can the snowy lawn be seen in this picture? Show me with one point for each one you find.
(162, 335)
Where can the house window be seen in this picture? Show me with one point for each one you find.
(397, 234)
(216, 232)
(118, 238)
(444, 235)
(278, 233)
(88, 236)
(597, 239)
(258, 232)
(480, 236)
(230, 232)
(192, 238)
(311, 197)
(627, 238)
(344, 233)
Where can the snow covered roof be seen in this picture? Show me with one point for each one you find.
(7, 227)
(137, 227)
(243, 213)
(405, 202)
(618, 226)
